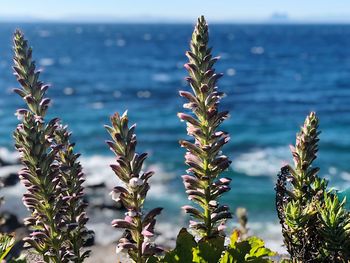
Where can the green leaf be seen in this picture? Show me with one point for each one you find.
(6, 244)
(183, 251)
(258, 249)
(251, 250)
(208, 250)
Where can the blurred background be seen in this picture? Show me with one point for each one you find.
(281, 59)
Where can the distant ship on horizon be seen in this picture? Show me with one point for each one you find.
(279, 17)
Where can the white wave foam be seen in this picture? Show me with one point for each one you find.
(8, 156)
(161, 77)
(97, 171)
(46, 62)
(9, 169)
(44, 33)
(257, 50)
(261, 162)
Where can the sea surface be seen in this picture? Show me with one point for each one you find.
(274, 76)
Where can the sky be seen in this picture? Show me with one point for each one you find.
(176, 10)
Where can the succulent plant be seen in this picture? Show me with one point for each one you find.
(334, 228)
(50, 174)
(139, 228)
(203, 184)
(313, 220)
(6, 244)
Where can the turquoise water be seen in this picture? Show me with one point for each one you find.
(274, 75)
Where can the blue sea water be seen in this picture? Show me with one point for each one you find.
(274, 75)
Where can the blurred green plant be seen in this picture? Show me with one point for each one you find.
(315, 224)
(6, 243)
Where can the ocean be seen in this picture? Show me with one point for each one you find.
(274, 76)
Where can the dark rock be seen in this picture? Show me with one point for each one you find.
(10, 180)
(91, 240)
(101, 203)
(96, 186)
(115, 206)
(10, 224)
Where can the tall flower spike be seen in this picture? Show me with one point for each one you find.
(72, 179)
(204, 157)
(40, 175)
(298, 192)
(139, 229)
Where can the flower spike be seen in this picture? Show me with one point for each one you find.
(51, 173)
(203, 156)
(34, 141)
(139, 229)
(72, 178)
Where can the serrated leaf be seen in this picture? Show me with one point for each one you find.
(251, 250)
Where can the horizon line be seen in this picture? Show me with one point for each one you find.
(173, 20)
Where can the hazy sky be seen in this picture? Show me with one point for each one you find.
(218, 10)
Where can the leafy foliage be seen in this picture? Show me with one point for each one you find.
(188, 250)
(6, 243)
(211, 250)
(185, 243)
(251, 249)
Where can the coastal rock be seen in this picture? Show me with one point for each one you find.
(10, 224)
(96, 186)
(10, 180)
(8, 174)
(91, 240)
(102, 203)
